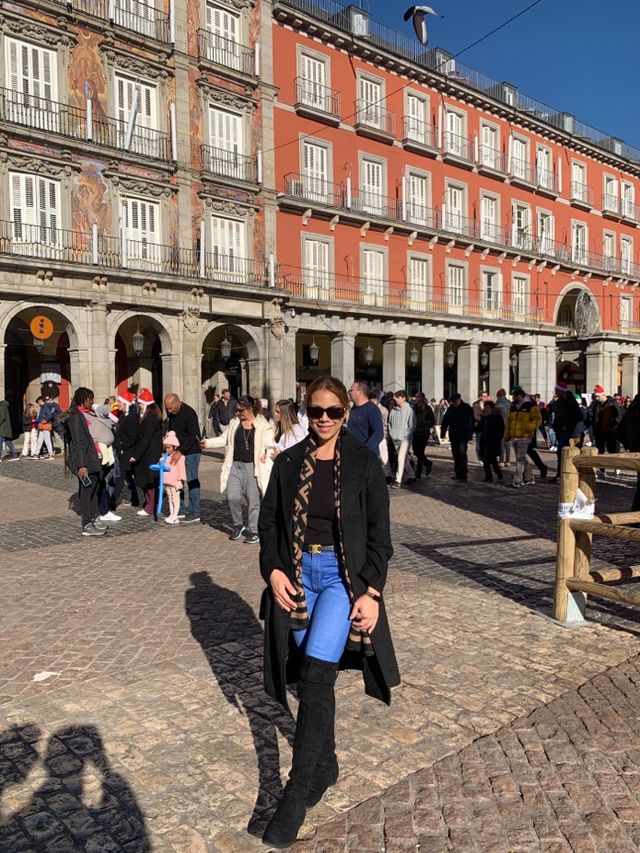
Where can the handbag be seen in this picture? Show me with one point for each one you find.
(45, 427)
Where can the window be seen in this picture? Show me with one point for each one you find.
(544, 168)
(519, 158)
(610, 196)
(31, 80)
(35, 210)
(419, 282)
(372, 186)
(609, 251)
(490, 146)
(142, 227)
(520, 294)
(372, 262)
(144, 139)
(491, 290)
(314, 170)
(626, 254)
(313, 82)
(223, 46)
(628, 200)
(578, 181)
(317, 267)
(417, 124)
(136, 15)
(546, 233)
(454, 219)
(579, 243)
(489, 218)
(417, 191)
(455, 140)
(456, 287)
(626, 312)
(521, 226)
(227, 144)
(371, 106)
(228, 249)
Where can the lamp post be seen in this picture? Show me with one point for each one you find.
(513, 362)
(414, 355)
(137, 342)
(368, 354)
(225, 347)
(450, 360)
(314, 351)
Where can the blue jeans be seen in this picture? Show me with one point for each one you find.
(328, 605)
(10, 445)
(191, 503)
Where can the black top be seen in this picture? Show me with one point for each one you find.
(321, 521)
(187, 429)
(243, 444)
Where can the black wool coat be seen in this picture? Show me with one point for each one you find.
(367, 545)
(81, 448)
(147, 451)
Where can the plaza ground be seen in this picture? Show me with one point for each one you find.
(508, 732)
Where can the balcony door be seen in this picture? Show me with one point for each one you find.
(31, 77)
(35, 215)
(316, 268)
(417, 202)
(372, 284)
(142, 228)
(314, 171)
(372, 187)
(228, 252)
(313, 82)
(225, 132)
(223, 46)
(145, 136)
(489, 218)
(371, 107)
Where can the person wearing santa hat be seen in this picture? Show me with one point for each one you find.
(126, 436)
(147, 450)
(566, 417)
(606, 414)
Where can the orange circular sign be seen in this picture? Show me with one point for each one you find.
(41, 327)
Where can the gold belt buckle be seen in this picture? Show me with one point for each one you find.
(315, 549)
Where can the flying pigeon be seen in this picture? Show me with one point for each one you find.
(419, 15)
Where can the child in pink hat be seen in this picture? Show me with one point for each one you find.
(174, 479)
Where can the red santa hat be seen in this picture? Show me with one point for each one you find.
(145, 398)
(598, 389)
(126, 397)
(562, 387)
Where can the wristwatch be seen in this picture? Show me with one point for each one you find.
(374, 596)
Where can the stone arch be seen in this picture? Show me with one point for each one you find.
(147, 369)
(564, 310)
(75, 329)
(242, 372)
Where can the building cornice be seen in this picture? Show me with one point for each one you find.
(43, 34)
(140, 185)
(224, 97)
(138, 66)
(39, 164)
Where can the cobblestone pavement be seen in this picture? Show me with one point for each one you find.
(152, 731)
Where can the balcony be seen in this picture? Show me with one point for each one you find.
(317, 102)
(228, 164)
(51, 117)
(419, 214)
(375, 122)
(630, 212)
(611, 205)
(522, 173)
(316, 191)
(372, 203)
(547, 182)
(629, 327)
(581, 195)
(457, 149)
(102, 251)
(522, 239)
(142, 18)
(419, 136)
(226, 53)
(491, 162)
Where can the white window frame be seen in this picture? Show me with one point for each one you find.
(626, 312)
(316, 185)
(579, 184)
(455, 138)
(224, 45)
(419, 292)
(626, 254)
(418, 127)
(373, 290)
(544, 167)
(232, 264)
(490, 155)
(610, 193)
(455, 217)
(39, 223)
(145, 133)
(31, 95)
(372, 199)
(520, 296)
(457, 286)
(372, 111)
(141, 251)
(489, 230)
(491, 301)
(315, 93)
(521, 235)
(609, 250)
(546, 232)
(317, 282)
(418, 211)
(520, 157)
(628, 199)
(579, 242)
(226, 135)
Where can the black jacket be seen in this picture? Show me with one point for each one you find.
(459, 422)
(491, 429)
(605, 417)
(367, 544)
(566, 413)
(425, 421)
(628, 431)
(126, 437)
(187, 429)
(81, 448)
(147, 451)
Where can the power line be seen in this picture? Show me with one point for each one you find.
(406, 85)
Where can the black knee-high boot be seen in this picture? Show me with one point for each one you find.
(327, 769)
(315, 720)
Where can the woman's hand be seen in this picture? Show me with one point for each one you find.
(83, 472)
(282, 589)
(364, 613)
(263, 457)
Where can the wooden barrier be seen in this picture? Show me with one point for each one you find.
(574, 577)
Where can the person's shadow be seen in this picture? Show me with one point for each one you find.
(77, 767)
(220, 616)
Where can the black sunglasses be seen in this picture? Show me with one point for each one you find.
(333, 412)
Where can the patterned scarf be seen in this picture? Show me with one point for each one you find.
(359, 641)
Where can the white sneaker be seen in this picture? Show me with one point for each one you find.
(144, 512)
(110, 516)
(172, 521)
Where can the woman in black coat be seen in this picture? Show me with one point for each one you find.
(491, 429)
(325, 545)
(147, 451)
(81, 457)
(124, 444)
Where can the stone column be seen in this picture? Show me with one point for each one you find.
(602, 367)
(100, 373)
(6, 392)
(343, 350)
(548, 380)
(433, 369)
(289, 366)
(191, 369)
(630, 375)
(532, 369)
(499, 368)
(468, 371)
(394, 364)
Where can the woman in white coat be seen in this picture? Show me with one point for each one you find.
(247, 464)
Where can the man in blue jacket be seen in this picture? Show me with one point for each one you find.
(365, 420)
(458, 421)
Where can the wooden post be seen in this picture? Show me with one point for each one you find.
(587, 485)
(566, 543)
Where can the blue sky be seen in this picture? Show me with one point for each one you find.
(581, 56)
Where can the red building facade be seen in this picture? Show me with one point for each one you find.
(436, 228)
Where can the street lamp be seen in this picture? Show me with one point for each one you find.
(484, 360)
(413, 356)
(451, 358)
(314, 351)
(137, 342)
(368, 353)
(225, 347)
(513, 361)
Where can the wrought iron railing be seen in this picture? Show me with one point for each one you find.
(457, 146)
(140, 17)
(228, 164)
(373, 116)
(491, 158)
(225, 52)
(315, 189)
(522, 170)
(419, 132)
(581, 193)
(313, 96)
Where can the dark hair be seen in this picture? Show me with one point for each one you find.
(490, 404)
(249, 402)
(288, 417)
(81, 395)
(329, 383)
(400, 393)
(152, 409)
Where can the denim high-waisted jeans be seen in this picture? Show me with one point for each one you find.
(328, 605)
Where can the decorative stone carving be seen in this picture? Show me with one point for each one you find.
(149, 288)
(44, 277)
(275, 319)
(36, 31)
(225, 98)
(197, 294)
(39, 165)
(191, 319)
(237, 4)
(99, 283)
(134, 65)
(141, 186)
(230, 208)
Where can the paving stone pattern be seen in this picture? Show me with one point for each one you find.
(154, 732)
